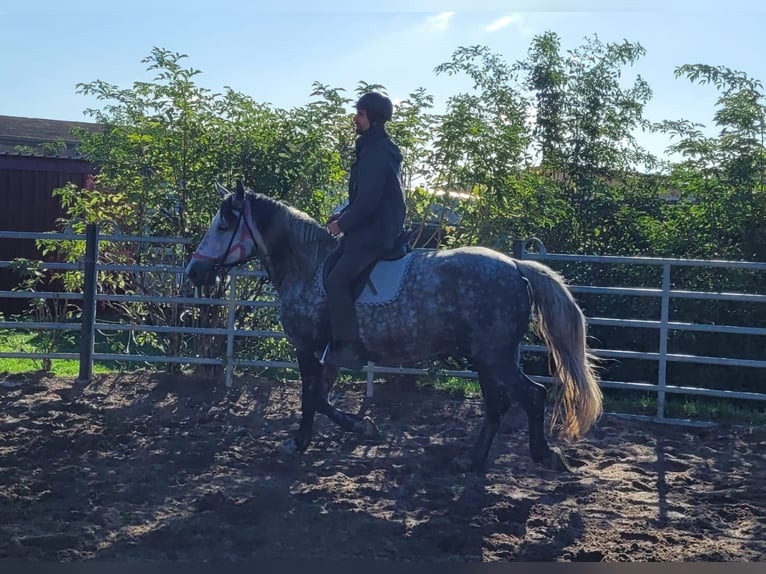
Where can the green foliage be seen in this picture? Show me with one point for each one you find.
(413, 128)
(161, 148)
(482, 138)
(541, 147)
(720, 179)
(54, 310)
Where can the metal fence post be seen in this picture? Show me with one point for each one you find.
(517, 249)
(88, 326)
(232, 309)
(370, 378)
(663, 360)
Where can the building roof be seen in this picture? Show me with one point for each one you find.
(28, 136)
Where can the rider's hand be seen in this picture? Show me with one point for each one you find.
(332, 218)
(334, 228)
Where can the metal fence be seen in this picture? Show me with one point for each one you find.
(230, 362)
(666, 294)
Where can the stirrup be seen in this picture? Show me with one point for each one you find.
(324, 354)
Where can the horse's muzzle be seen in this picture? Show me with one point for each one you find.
(200, 273)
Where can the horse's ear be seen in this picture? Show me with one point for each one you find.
(222, 191)
(240, 196)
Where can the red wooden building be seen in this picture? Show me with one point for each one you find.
(36, 157)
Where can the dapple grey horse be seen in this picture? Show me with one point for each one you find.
(469, 303)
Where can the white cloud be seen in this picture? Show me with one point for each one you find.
(503, 22)
(440, 21)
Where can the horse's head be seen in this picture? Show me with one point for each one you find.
(231, 239)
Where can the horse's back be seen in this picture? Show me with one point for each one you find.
(474, 266)
(475, 254)
(469, 300)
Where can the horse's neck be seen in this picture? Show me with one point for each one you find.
(290, 275)
(297, 252)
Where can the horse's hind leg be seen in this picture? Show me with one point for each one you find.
(496, 404)
(531, 396)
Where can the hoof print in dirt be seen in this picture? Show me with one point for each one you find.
(74, 392)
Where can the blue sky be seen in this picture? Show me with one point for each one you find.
(273, 51)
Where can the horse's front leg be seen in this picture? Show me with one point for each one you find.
(349, 422)
(311, 374)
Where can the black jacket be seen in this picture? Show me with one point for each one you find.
(374, 216)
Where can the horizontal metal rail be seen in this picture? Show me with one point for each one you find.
(105, 237)
(653, 356)
(673, 294)
(134, 299)
(156, 359)
(23, 355)
(675, 326)
(44, 266)
(638, 260)
(40, 295)
(653, 388)
(39, 326)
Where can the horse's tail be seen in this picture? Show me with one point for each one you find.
(561, 324)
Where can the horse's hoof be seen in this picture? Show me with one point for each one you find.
(466, 464)
(556, 461)
(462, 464)
(288, 448)
(370, 429)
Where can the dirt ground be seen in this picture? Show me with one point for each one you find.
(152, 467)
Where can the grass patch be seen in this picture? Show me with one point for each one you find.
(630, 402)
(730, 411)
(40, 342)
(58, 367)
(690, 407)
(29, 342)
(455, 386)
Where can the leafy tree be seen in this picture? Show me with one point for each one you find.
(741, 117)
(602, 115)
(546, 79)
(481, 141)
(721, 178)
(482, 138)
(161, 148)
(564, 117)
(542, 147)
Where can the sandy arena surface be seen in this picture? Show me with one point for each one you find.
(146, 466)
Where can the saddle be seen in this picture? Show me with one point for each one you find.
(398, 251)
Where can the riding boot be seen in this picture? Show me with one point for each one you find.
(346, 349)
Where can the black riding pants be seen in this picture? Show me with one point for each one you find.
(340, 299)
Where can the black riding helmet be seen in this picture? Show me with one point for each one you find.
(379, 107)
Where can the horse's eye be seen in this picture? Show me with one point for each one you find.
(222, 227)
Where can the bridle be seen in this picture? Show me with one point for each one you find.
(219, 267)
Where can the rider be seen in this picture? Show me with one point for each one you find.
(370, 224)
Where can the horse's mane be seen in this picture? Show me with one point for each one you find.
(290, 234)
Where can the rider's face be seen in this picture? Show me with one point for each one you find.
(360, 121)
